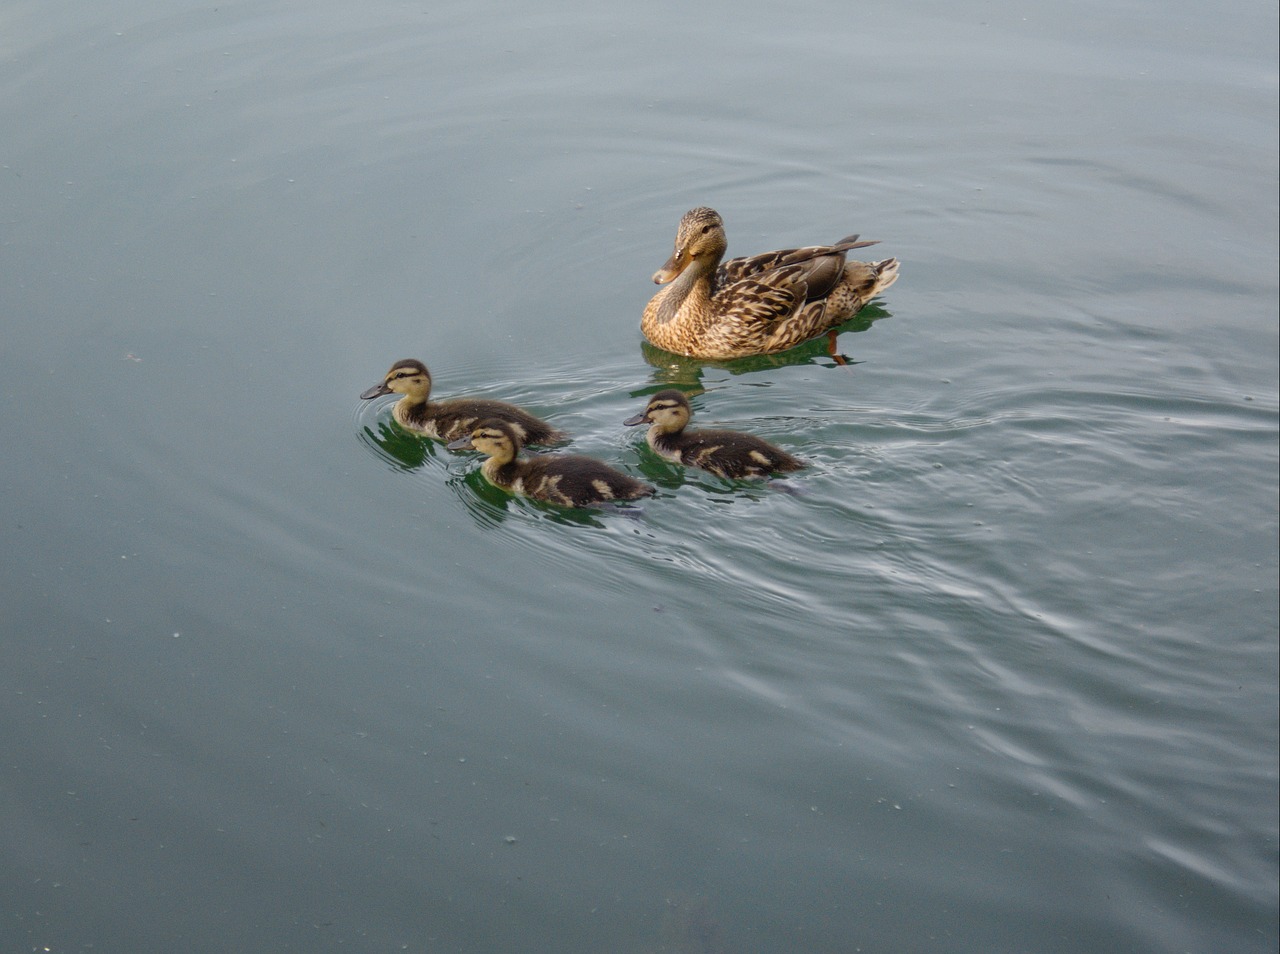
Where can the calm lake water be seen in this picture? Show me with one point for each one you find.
(999, 674)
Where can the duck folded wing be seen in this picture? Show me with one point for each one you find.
(824, 264)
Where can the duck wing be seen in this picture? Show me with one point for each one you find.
(823, 265)
(752, 309)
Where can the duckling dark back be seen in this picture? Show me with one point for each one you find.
(458, 416)
(577, 481)
(730, 454)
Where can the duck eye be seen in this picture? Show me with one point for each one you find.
(706, 229)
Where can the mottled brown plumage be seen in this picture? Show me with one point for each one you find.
(566, 479)
(758, 305)
(726, 453)
(453, 418)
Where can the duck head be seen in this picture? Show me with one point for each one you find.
(491, 437)
(668, 411)
(409, 377)
(699, 238)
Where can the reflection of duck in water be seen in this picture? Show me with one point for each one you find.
(725, 453)
(403, 450)
(569, 480)
(757, 305)
(685, 372)
(453, 418)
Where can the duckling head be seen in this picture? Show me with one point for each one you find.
(493, 438)
(668, 411)
(699, 238)
(409, 377)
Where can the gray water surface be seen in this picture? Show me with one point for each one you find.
(998, 674)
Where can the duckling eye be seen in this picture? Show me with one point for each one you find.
(706, 229)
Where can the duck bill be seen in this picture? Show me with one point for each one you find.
(673, 267)
(462, 443)
(633, 421)
(376, 391)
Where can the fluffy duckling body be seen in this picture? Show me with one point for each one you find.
(569, 480)
(757, 305)
(726, 453)
(454, 418)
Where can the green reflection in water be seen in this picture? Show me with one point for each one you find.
(677, 370)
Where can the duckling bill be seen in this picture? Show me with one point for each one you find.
(569, 480)
(456, 417)
(728, 454)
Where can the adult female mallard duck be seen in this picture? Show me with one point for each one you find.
(569, 479)
(455, 417)
(726, 453)
(758, 305)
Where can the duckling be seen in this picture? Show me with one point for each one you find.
(758, 305)
(453, 418)
(726, 453)
(569, 480)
